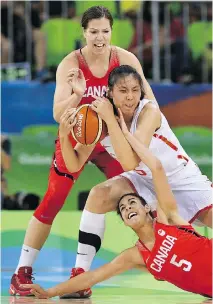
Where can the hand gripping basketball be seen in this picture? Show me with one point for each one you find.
(89, 128)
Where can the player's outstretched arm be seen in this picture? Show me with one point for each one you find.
(74, 158)
(128, 259)
(165, 197)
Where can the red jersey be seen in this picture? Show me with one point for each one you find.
(94, 86)
(180, 256)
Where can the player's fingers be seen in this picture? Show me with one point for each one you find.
(71, 111)
(27, 285)
(80, 74)
(73, 71)
(73, 123)
(93, 107)
(96, 102)
(97, 97)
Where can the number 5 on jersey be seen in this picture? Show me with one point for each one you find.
(187, 265)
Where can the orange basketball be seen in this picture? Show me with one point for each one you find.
(90, 128)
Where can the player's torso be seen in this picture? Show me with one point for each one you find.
(164, 145)
(181, 257)
(96, 85)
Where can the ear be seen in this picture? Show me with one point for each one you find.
(147, 208)
(109, 93)
(84, 33)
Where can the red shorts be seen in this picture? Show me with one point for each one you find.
(61, 180)
(100, 157)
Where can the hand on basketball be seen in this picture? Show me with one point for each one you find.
(103, 107)
(37, 290)
(67, 121)
(76, 80)
(122, 123)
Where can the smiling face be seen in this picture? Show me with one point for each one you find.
(132, 211)
(98, 35)
(126, 94)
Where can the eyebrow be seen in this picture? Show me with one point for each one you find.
(130, 199)
(92, 28)
(124, 87)
(122, 205)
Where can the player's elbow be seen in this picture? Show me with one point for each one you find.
(157, 166)
(56, 115)
(129, 166)
(73, 168)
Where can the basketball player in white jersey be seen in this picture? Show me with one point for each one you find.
(192, 190)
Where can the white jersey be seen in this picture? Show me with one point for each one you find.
(164, 145)
(192, 190)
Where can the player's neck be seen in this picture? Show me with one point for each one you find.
(146, 233)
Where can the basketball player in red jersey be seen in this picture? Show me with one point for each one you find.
(80, 75)
(168, 247)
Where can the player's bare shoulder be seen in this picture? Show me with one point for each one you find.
(69, 62)
(126, 57)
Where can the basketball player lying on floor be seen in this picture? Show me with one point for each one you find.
(191, 189)
(168, 247)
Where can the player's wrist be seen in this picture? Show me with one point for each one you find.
(79, 93)
(110, 121)
(52, 292)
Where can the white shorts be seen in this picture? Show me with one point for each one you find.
(192, 190)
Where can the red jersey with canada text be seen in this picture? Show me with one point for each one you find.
(180, 256)
(94, 86)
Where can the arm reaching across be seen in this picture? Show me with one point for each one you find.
(128, 259)
(165, 197)
(128, 160)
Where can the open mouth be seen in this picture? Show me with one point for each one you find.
(99, 45)
(131, 215)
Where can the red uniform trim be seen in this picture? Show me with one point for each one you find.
(201, 210)
(183, 157)
(167, 142)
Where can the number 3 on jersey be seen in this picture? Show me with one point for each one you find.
(187, 265)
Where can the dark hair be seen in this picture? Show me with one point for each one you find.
(96, 12)
(121, 72)
(143, 203)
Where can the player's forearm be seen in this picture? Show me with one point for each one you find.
(70, 157)
(59, 107)
(124, 153)
(143, 152)
(163, 191)
(90, 278)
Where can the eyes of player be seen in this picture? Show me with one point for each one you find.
(125, 91)
(96, 32)
(131, 202)
(122, 208)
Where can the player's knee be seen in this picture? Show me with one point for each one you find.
(99, 199)
(49, 207)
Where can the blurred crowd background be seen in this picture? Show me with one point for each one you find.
(173, 40)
